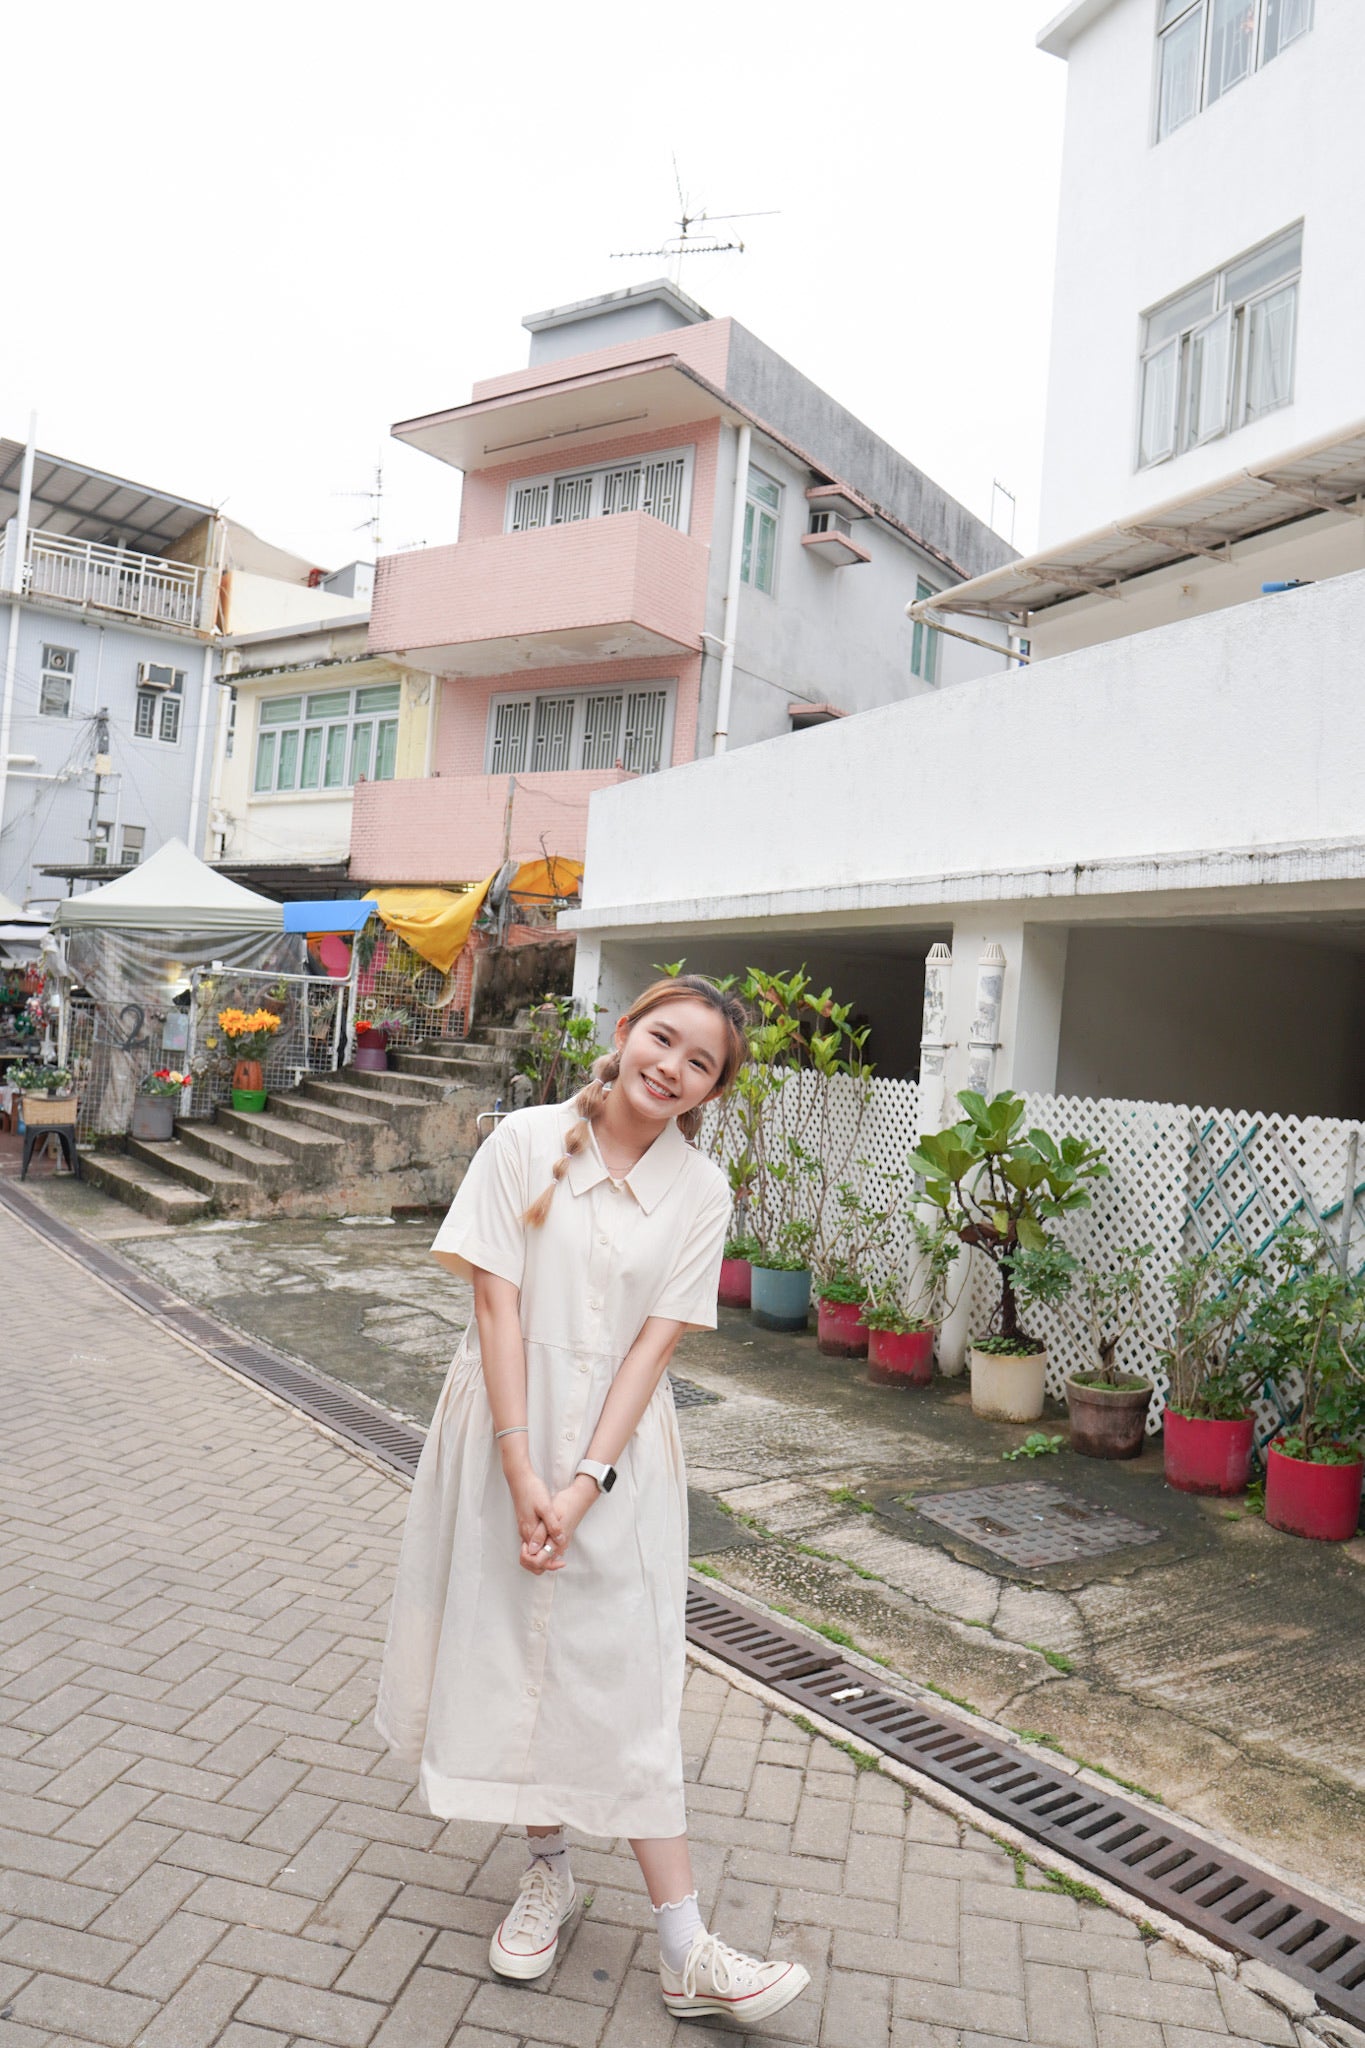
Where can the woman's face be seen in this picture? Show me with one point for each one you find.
(672, 1058)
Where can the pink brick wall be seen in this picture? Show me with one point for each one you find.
(706, 347)
(483, 505)
(450, 828)
(462, 717)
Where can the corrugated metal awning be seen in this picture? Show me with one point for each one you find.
(87, 504)
(1323, 476)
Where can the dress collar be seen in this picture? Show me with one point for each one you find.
(652, 1175)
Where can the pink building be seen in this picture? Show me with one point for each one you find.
(670, 543)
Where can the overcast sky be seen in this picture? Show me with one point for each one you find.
(244, 240)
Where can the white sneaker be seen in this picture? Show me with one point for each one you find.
(524, 1945)
(717, 1978)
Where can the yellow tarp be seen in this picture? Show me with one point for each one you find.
(435, 922)
(540, 881)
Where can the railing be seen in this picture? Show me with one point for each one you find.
(316, 1033)
(136, 586)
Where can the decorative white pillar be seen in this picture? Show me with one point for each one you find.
(983, 1038)
(934, 1044)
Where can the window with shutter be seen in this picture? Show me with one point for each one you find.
(601, 731)
(530, 506)
(553, 743)
(621, 490)
(663, 490)
(659, 485)
(511, 733)
(642, 751)
(572, 499)
(581, 730)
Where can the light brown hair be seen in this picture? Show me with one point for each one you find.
(590, 1100)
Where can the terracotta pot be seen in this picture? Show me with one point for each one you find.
(840, 1330)
(900, 1358)
(736, 1282)
(1206, 1456)
(153, 1117)
(1008, 1389)
(1304, 1499)
(1108, 1422)
(247, 1077)
(778, 1299)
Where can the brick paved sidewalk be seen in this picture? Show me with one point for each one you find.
(201, 1841)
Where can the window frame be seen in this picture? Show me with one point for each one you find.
(755, 509)
(306, 726)
(595, 475)
(924, 641)
(156, 702)
(1204, 10)
(138, 851)
(580, 696)
(63, 672)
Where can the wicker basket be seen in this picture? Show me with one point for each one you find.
(41, 1109)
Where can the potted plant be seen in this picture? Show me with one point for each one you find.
(900, 1350)
(780, 1278)
(1311, 1325)
(154, 1109)
(47, 1094)
(1108, 1407)
(372, 1035)
(840, 1331)
(997, 1187)
(1208, 1427)
(862, 1229)
(249, 1035)
(276, 997)
(736, 1275)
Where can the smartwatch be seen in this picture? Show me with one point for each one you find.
(605, 1475)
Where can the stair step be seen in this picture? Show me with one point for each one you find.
(374, 1104)
(412, 1087)
(144, 1187)
(455, 1072)
(329, 1119)
(239, 1153)
(506, 1037)
(285, 1133)
(192, 1169)
(456, 1051)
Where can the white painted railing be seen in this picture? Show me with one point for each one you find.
(115, 579)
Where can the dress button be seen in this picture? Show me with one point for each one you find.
(539, 1627)
(602, 1237)
(568, 1436)
(595, 1305)
(533, 1692)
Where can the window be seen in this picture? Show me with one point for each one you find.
(924, 643)
(231, 739)
(132, 840)
(54, 695)
(1205, 47)
(329, 739)
(657, 484)
(104, 833)
(758, 561)
(591, 729)
(160, 700)
(1220, 353)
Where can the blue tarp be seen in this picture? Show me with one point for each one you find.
(327, 917)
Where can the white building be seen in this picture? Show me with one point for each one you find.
(1160, 822)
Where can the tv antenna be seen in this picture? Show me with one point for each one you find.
(375, 498)
(695, 236)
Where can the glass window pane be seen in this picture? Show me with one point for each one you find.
(384, 697)
(1263, 267)
(334, 772)
(1209, 380)
(1284, 21)
(386, 750)
(1181, 48)
(361, 739)
(55, 698)
(281, 710)
(746, 555)
(134, 840)
(170, 719)
(765, 552)
(289, 760)
(764, 489)
(265, 762)
(312, 758)
(144, 717)
(329, 704)
(1177, 315)
(1232, 46)
(1270, 352)
(1157, 437)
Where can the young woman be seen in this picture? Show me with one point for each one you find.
(535, 1660)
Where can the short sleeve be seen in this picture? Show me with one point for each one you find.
(483, 1225)
(689, 1295)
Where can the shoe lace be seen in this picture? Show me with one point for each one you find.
(536, 1911)
(726, 1964)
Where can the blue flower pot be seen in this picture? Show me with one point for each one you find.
(779, 1300)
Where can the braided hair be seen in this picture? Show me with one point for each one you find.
(590, 1100)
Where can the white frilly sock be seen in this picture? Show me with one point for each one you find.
(679, 1925)
(554, 1850)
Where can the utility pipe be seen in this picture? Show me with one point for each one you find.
(17, 559)
(730, 617)
(200, 747)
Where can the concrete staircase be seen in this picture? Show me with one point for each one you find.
(344, 1144)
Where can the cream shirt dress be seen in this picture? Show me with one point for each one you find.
(554, 1699)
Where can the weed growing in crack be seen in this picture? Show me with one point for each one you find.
(849, 1497)
(1054, 1658)
(863, 1760)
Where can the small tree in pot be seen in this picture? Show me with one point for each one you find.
(862, 1228)
(998, 1187)
(1312, 1324)
(901, 1332)
(1208, 1426)
(1100, 1308)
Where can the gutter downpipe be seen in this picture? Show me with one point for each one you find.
(194, 833)
(16, 557)
(921, 612)
(730, 620)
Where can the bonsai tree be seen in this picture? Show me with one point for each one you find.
(887, 1306)
(1210, 1374)
(1311, 1324)
(998, 1187)
(1098, 1308)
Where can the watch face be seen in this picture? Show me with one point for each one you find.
(609, 1479)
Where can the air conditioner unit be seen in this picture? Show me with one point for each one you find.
(155, 675)
(58, 661)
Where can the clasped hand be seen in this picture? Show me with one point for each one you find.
(546, 1522)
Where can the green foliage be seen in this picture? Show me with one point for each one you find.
(999, 1187)
(39, 1079)
(936, 1249)
(563, 1051)
(1035, 1445)
(1054, 1658)
(1109, 1302)
(842, 1285)
(849, 1497)
(742, 1248)
(1212, 1378)
(790, 1250)
(1312, 1322)
(1008, 1347)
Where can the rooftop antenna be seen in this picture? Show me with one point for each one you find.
(688, 241)
(999, 490)
(374, 497)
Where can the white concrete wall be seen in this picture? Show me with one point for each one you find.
(1141, 220)
(1224, 1019)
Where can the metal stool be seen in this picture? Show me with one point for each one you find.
(65, 1134)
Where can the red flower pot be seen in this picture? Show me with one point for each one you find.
(1304, 1499)
(736, 1283)
(1204, 1456)
(840, 1330)
(900, 1358)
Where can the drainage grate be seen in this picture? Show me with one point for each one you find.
(687, 1394)
(1231, 1901)
(1030, 1523)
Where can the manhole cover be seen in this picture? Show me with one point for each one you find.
(687, 1394)
(1029, 1523)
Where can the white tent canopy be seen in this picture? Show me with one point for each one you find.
(173, 890)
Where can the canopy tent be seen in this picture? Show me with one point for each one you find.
(172, 891)
(350, 916)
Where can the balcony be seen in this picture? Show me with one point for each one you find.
(589, 590)
(145, 588)
(450, 828)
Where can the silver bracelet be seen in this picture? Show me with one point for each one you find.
(517, 1429)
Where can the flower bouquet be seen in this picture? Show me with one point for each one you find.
(154, 1112)
(249, 1033)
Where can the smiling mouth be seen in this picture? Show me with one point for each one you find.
(656, 1089)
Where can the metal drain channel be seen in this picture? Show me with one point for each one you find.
(1233, 1902)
